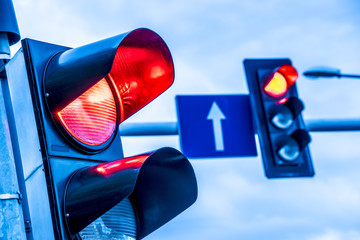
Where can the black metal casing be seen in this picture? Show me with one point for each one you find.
(56, 148)
(160, 189)
(270, 137)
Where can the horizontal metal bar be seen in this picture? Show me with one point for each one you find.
(349, 75)
(171, 128)
(9, 196)
(148, 129)
(324, 125)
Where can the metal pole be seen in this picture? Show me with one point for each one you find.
(12, 225)
(171, 128)
(11, 216)
(149, 129)
(326, 125)
(327, 72)
(349, 75)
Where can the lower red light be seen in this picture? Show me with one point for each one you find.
(91, 118)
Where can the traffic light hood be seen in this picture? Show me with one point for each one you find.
(138, 64)
(160, 185)
(91, 89)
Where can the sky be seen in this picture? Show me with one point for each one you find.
(209, 41)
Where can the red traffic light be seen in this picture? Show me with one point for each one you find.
(92, 117)
(277, 112)
(90, 90)
(75, 101)
(280, 81)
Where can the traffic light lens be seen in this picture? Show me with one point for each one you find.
(277, 86)
(283, 118)
(118, 223)
(290, 151)
(91, 118)
(141, 71)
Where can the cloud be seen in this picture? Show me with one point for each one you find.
(334, 234)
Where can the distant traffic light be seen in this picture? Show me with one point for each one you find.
(277, 113)
(67, 105)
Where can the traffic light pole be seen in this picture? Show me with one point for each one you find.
(149, 129)
(12, 224)
(328, 125)
(171, 128)
(11, 214)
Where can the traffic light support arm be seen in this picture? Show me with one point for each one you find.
(349, 75)
(171, 128)
(324, 125)
(148, 129)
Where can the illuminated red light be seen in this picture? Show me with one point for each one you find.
(277, 86)
(91, 118)
(281, 80)
(122, 164)
(142, 70)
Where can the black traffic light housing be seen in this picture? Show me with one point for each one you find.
(159, 186)
(279, 124)
(153, 182)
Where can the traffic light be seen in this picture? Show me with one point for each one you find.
(277, 113)
(66, 105)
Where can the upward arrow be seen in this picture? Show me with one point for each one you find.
(216, 116)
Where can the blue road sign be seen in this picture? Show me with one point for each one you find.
(216, 126)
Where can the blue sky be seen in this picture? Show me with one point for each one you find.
(208, 41)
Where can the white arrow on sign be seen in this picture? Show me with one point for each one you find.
(215, 115)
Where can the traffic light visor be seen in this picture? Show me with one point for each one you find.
(142, 70)
(160, 185)
(289, 73)
(90, 90)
